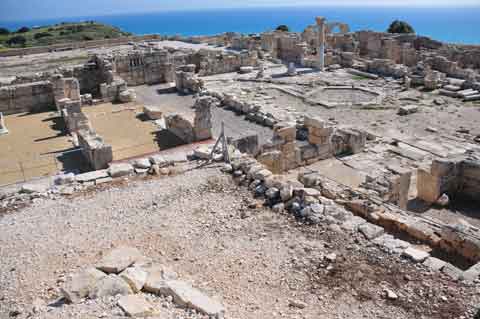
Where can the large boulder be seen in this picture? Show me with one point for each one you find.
(119, 259)
(81, 284)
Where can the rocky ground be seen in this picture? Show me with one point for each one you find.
(258, 263)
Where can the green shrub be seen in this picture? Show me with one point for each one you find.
(23, 30)
(4, 31)
(283, 28)
(42, 35)
(17, 40)
(398, 26)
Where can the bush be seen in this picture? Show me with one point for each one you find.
(23, 30)
(398, 26)
(4, 31)
(41, 35)
(283, 28)
(17, 40)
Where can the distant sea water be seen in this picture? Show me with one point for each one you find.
(457, 25)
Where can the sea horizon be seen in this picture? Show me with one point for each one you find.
(447, 24)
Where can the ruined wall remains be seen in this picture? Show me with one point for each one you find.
(454, 177)
(29, 97)
(186, 81)
(193, 127)
(96, 151)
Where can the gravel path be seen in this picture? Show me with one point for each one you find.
(258, 263)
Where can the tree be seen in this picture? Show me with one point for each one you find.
(4, 31)
(23, 30)
(283, 28)
(17, 40)
(398, 26)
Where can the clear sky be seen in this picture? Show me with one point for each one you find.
(39, 9)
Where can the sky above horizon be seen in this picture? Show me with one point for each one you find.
(11, 10)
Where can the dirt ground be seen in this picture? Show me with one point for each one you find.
(235, 125)
(31, 147)
(258, 263)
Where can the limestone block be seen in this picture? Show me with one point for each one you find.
(118, 259)
(187, 296)
(91, 176)
(452, 271)
(318, 140)
(135, 277)
(157, 274)
(120, 169)
(80, 285)
(415, 255)
(428, 186)
(287, 133)
(434, 264)
(152, 112)
(314, 121)
(408, 109)
(371, 231)
(135, 306)
(142, 163)
(322, 132)
(110, 285)
(471, 274)
(272, 160)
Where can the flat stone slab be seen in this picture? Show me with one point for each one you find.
(81, 284)
(110, 285)
(415, 255)
(471, 274)
(371, 231)
(434, 264)
(187, 296)
(120, 169)
(91, 176)
(119, 259)
(157, 274)
(135, 306)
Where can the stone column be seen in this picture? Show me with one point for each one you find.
(321, 42)
(3, 128)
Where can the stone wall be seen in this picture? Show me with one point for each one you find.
(29, 97)
(96, 151)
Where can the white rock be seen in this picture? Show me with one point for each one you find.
(391, 295)
(434, 263)
(91, 176)
(157, 274)
(371, 231)
(110, 285)
(80, 285)
(187, 296)
(143, 163)
(152, 112)
(135, 306)
(64, 179)
(119, 259)
(135, 277)
(120, 169)
(415, 254)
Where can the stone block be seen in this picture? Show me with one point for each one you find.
(153, 112)
(119, 259)
(407, 109)
(415, 254)
(135, 306)
(120, 169)
(135, 277)
(371, 231)
(314, 121)
(80, 285)
(452, 271)
(187, 296)
(110, 286)
(157, 274)
(434, 264)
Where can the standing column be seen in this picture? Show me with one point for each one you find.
(3, 128)
(321, 42)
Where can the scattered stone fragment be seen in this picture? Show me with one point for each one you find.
(407, 109)
(80, 285)
(186, 296)
(443, 200)
(452, 271)
(370, 231)
(135, 306)
(353, 223)
(391, 295)
(297, 304)
(471, 274)
(415, 255)
(118, 259)
(143, 163)
(434, 264)
(156, 276)
(135, 277)
(110, 285)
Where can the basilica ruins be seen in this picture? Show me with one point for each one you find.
(382, 126)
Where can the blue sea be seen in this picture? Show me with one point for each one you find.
(457, 25)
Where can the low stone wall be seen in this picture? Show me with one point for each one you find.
(29, 97)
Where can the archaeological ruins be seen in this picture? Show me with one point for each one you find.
(375, 133)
